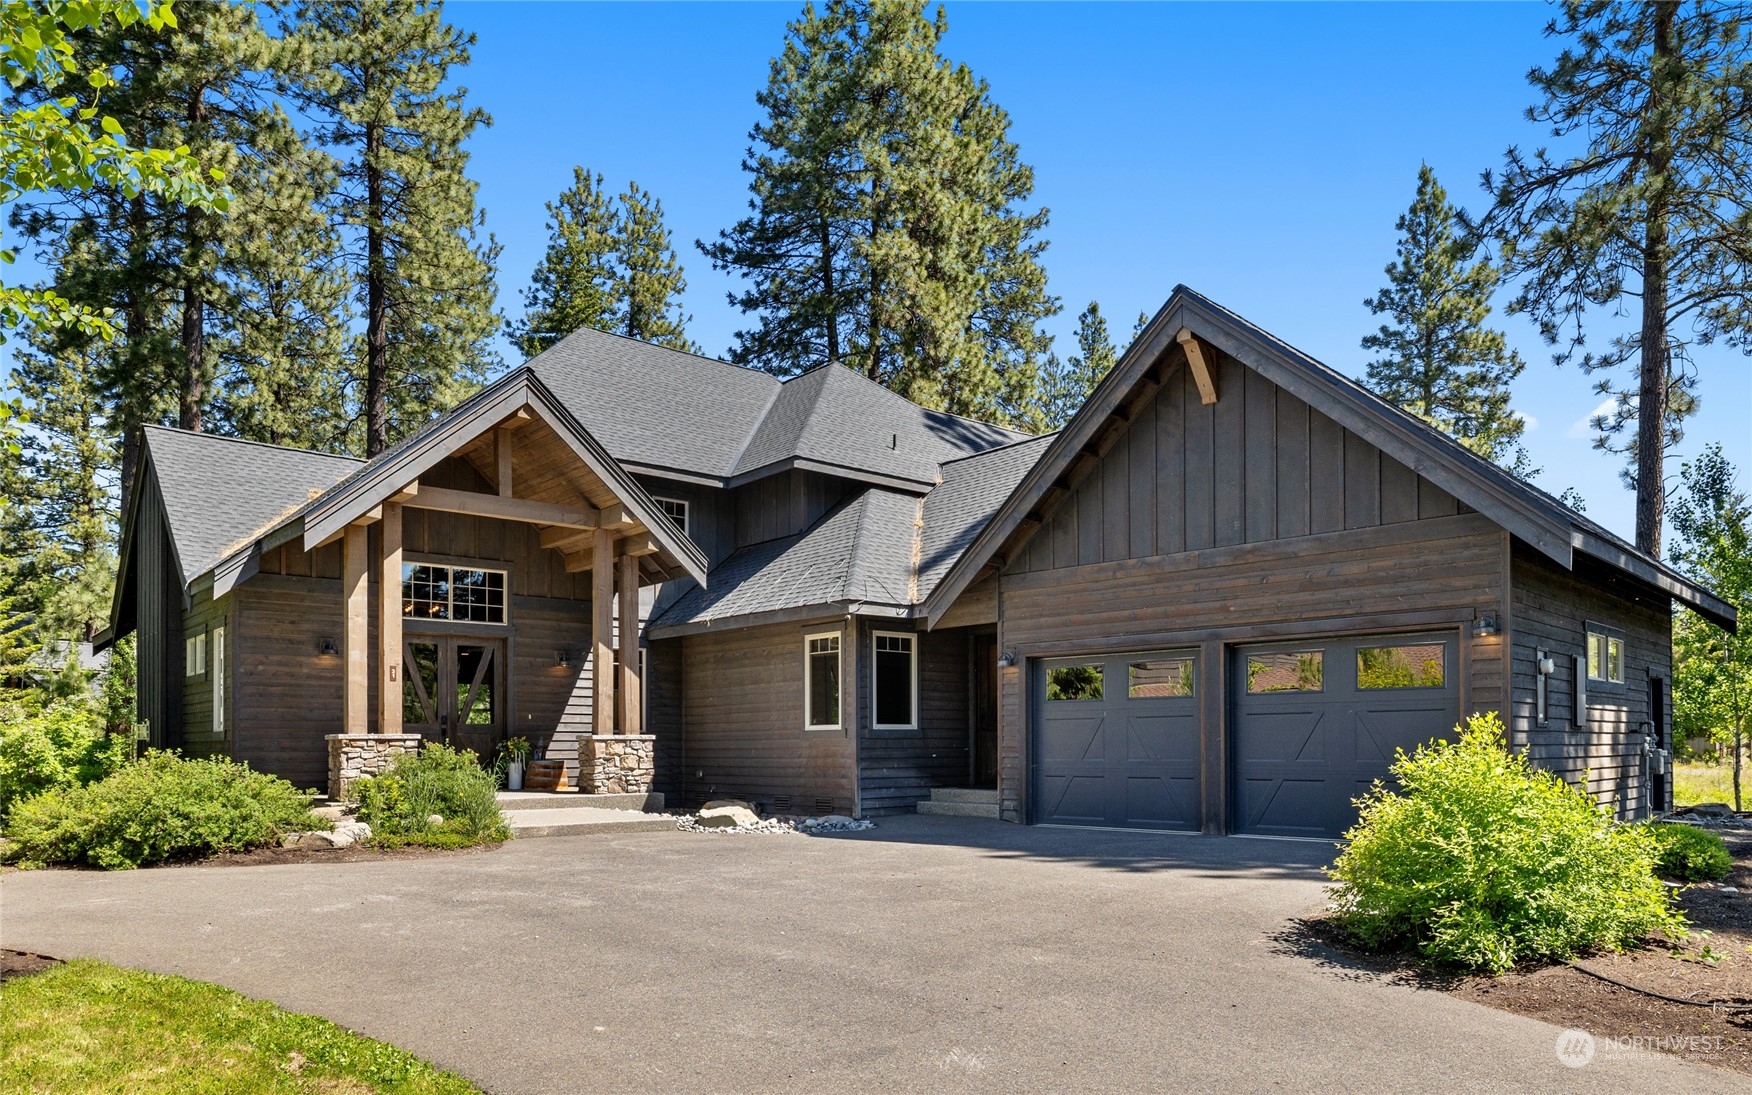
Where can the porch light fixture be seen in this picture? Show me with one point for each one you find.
(329, 649)
(562, 659)
(1485, 626)
(1006, 659)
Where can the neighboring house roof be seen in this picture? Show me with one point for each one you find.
(1537, 518)
(659, 410)
(220, 491)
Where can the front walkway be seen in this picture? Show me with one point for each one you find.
(930, 954)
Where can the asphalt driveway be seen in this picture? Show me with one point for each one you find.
(932, 954)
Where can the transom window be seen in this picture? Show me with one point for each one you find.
(675, 509)
(1162, 678)
(1414, 665)
(1075, 682)
(1605, 654)
(896, 691)
(461, 594)
(1289, 671)
(821, 681)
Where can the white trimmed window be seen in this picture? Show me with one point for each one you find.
(219, 680)
(1605, 654)
(675, 509)
(195, 654)
(821, 681)
(895, 698)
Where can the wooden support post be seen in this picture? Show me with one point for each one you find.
(389, 622)
(355, 630)
(602, 633)
(627, 582)
(502, 459)
(1200, 366)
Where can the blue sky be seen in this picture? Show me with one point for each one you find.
(1256, 152)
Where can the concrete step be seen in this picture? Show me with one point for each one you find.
(965, 794)
(959, 809)
(583, 820)
(571, 800)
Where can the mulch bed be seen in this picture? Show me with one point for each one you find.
(1567, 997)
(23, 963)
(265, 856)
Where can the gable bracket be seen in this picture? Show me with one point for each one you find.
(1200, 365)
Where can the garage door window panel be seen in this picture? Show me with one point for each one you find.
(1075, 682)
(895, 697)
(1162, 678)
(1286, 671)
(1413, 665)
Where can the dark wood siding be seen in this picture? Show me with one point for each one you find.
(663, 713)
(158, 619)
(200, 737)
(742, 723)
(897, 768)
(1551, 610)
(784, 504)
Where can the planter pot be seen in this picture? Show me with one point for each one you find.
(514, 776)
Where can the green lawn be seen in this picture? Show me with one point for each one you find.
(88, 1026)
(1694, 783)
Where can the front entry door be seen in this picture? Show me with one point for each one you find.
(453, 691)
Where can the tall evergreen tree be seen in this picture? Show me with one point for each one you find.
(375, 73)
(1654, 207)
(1066, 388)
(886, 229)
(650, 275)
(1437, 359)
(576, 284)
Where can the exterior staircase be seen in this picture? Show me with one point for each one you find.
(569, 813)
(961, 802)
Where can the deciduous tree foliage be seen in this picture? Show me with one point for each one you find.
(887, 227)
(1712, 668)
(1644, 206)
(376, 76)
(1437, 359)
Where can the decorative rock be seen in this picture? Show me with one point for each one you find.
(835, 823)
(720, 803)
(434, 820)
(728, 817)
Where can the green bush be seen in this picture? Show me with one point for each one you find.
(436, 781)
(61, 745)
(1480, 861)
(1685, 853)
(159, 808)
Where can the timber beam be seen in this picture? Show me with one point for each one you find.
(523, 510)
(1199, 364)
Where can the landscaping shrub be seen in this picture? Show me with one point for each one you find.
(1685, 853)
(64, 744)
(437, 781)
(1480, 861)
(158, 808)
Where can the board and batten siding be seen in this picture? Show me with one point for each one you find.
(1255, 518)
(1551, 610)
(200, 737)
(158, 648)
(898, 767)
(742, 730)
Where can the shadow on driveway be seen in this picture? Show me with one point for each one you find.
(1131, 851)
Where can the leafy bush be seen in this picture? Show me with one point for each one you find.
(436, 781)
(1480, 861)
(1685, 853)
(58, 746)
(159, 808)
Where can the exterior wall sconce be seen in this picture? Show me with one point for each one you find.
(562, 659)
(1485, 626)
(329, 650)
(1006, 659)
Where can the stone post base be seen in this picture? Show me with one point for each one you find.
(617, 764)
(352, 757)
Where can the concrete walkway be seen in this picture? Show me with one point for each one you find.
(929, 955)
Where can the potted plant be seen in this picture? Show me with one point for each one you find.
(517, 752)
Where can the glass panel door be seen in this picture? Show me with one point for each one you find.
(420, 708)
(475, 723)
(453, 692)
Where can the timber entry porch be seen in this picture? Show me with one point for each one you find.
(513, 610)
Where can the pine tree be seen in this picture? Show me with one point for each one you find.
(1437, 359)
(886, 229)
(375, 74)
(576, 284)
(1066, 388)
(1655, 208)
(649, 274)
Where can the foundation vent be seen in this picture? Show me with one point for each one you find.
(781, 804)
(824, 805)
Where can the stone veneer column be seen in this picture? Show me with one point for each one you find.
(615, 764)
(352, 757)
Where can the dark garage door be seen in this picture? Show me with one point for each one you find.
(1117, 741)
(1315, 723)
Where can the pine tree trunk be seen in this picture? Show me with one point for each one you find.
(127, 410)
(1651, 409)
(827, 292)
(194, 311)
(877, 316)
(376, 302)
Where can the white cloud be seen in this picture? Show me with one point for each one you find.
(1583, 428)
(1528, 422)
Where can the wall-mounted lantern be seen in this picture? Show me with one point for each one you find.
(1006, 659)
(329, 649)
(1484, 626)
(562, 659)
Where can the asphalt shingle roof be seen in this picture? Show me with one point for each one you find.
(220, 492)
